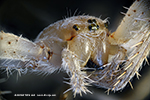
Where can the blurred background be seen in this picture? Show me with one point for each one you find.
(29, 17)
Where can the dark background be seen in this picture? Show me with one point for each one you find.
(29, 17)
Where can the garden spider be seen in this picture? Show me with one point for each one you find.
(85, 49)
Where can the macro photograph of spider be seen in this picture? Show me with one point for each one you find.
(74, 50)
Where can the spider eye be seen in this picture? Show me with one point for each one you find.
(97, 27)
(94, 21)
(90, 27)
(106, 24)
(93, 27)
(89, 21)
(76, 27)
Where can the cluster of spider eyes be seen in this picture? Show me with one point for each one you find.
(92, 25)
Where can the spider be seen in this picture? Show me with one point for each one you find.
(85, 49)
